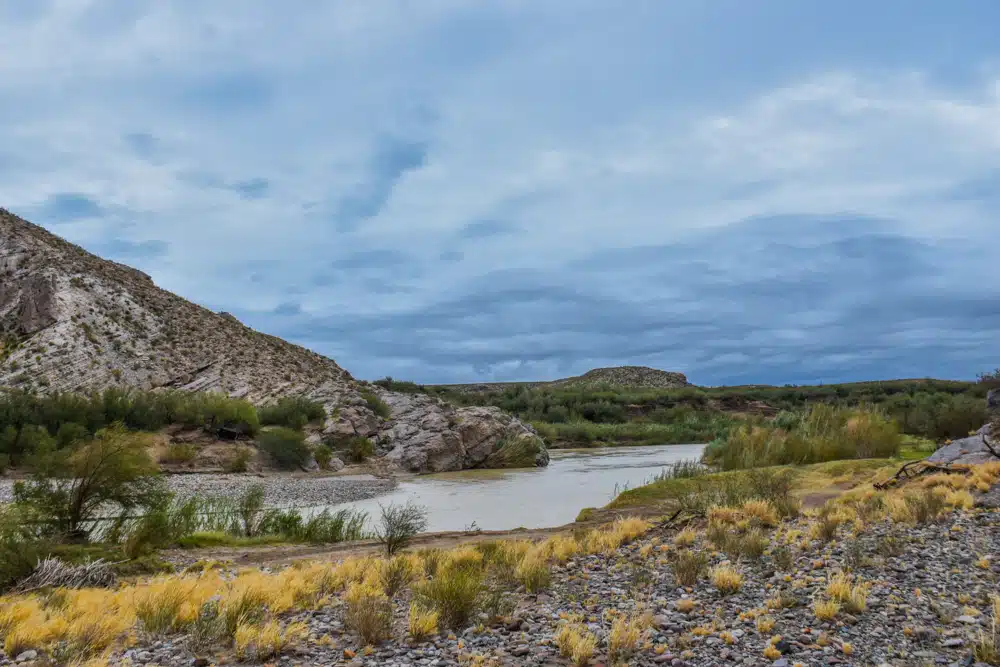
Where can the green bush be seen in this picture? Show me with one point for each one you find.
(377, 405)
(292, 411)
(286, 447)
(454, 592)
(358, 448)
(323, 455)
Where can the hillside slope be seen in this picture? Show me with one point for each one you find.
(627, 377)
(71, 321)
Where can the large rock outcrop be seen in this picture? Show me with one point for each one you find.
(969, 450)
(427, 434)
(72, 321)
(976, 448)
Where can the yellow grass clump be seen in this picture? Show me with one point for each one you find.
(826, 610)
(576, 643)
(422, 623)
(852, 594)
(625, 634)
(261, 642)
(726, 578)
(608, 539)
(685, 538)
(764, 624)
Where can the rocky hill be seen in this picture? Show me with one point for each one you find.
(633, 377)
(71, 321)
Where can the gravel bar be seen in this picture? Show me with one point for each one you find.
(281, 490)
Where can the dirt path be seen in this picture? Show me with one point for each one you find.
(285, 554)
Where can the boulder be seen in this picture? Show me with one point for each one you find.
(428, 435)
(969, 450)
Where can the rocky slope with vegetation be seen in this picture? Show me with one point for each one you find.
(608, 414)
(753, 571)
(72, 322)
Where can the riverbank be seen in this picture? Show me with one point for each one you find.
(281, 489)
(877, 578)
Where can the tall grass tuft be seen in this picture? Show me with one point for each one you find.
(824, 433)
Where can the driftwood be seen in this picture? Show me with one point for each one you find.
(993, 448)
(54, 573)
(918, 469)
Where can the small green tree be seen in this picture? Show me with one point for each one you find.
(70, 486)
(399, 524)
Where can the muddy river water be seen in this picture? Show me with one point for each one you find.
(531, 498)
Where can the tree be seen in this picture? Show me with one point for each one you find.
(399, 524)
(71, 486)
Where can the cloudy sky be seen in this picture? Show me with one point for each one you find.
(455, 190)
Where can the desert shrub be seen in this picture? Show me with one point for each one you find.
(925, 505)
(240, 461)
(377, 405)
(180, 452)
(292, 411)
(454, 593)
(395, 573)
(688, 566)
(398, 524)
(286, 447)
(323, 456)
(356, 449)
(369, 613)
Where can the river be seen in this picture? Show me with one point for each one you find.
(530, 498)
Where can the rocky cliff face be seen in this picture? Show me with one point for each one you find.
(72, 321)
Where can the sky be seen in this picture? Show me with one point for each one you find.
(467, 190)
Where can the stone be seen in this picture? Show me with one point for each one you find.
(25, 656)
(428, 435)
(954, 642)
(971, 450)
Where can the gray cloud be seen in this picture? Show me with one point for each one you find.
(484, 229)
(847, 298)
(124, 249)
(390, 162)
(67, 207)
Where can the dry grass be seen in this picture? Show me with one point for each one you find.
(534, 571)
(369, 612)
(852, 594)
(826, 610)
(262, 642)
(726, 578)
(688, 566)
(764, 624)
(685, 538)
(625, 635)
(422, 623)
(576, 643)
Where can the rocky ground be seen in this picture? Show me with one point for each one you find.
(929, 591)
(280, 489)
